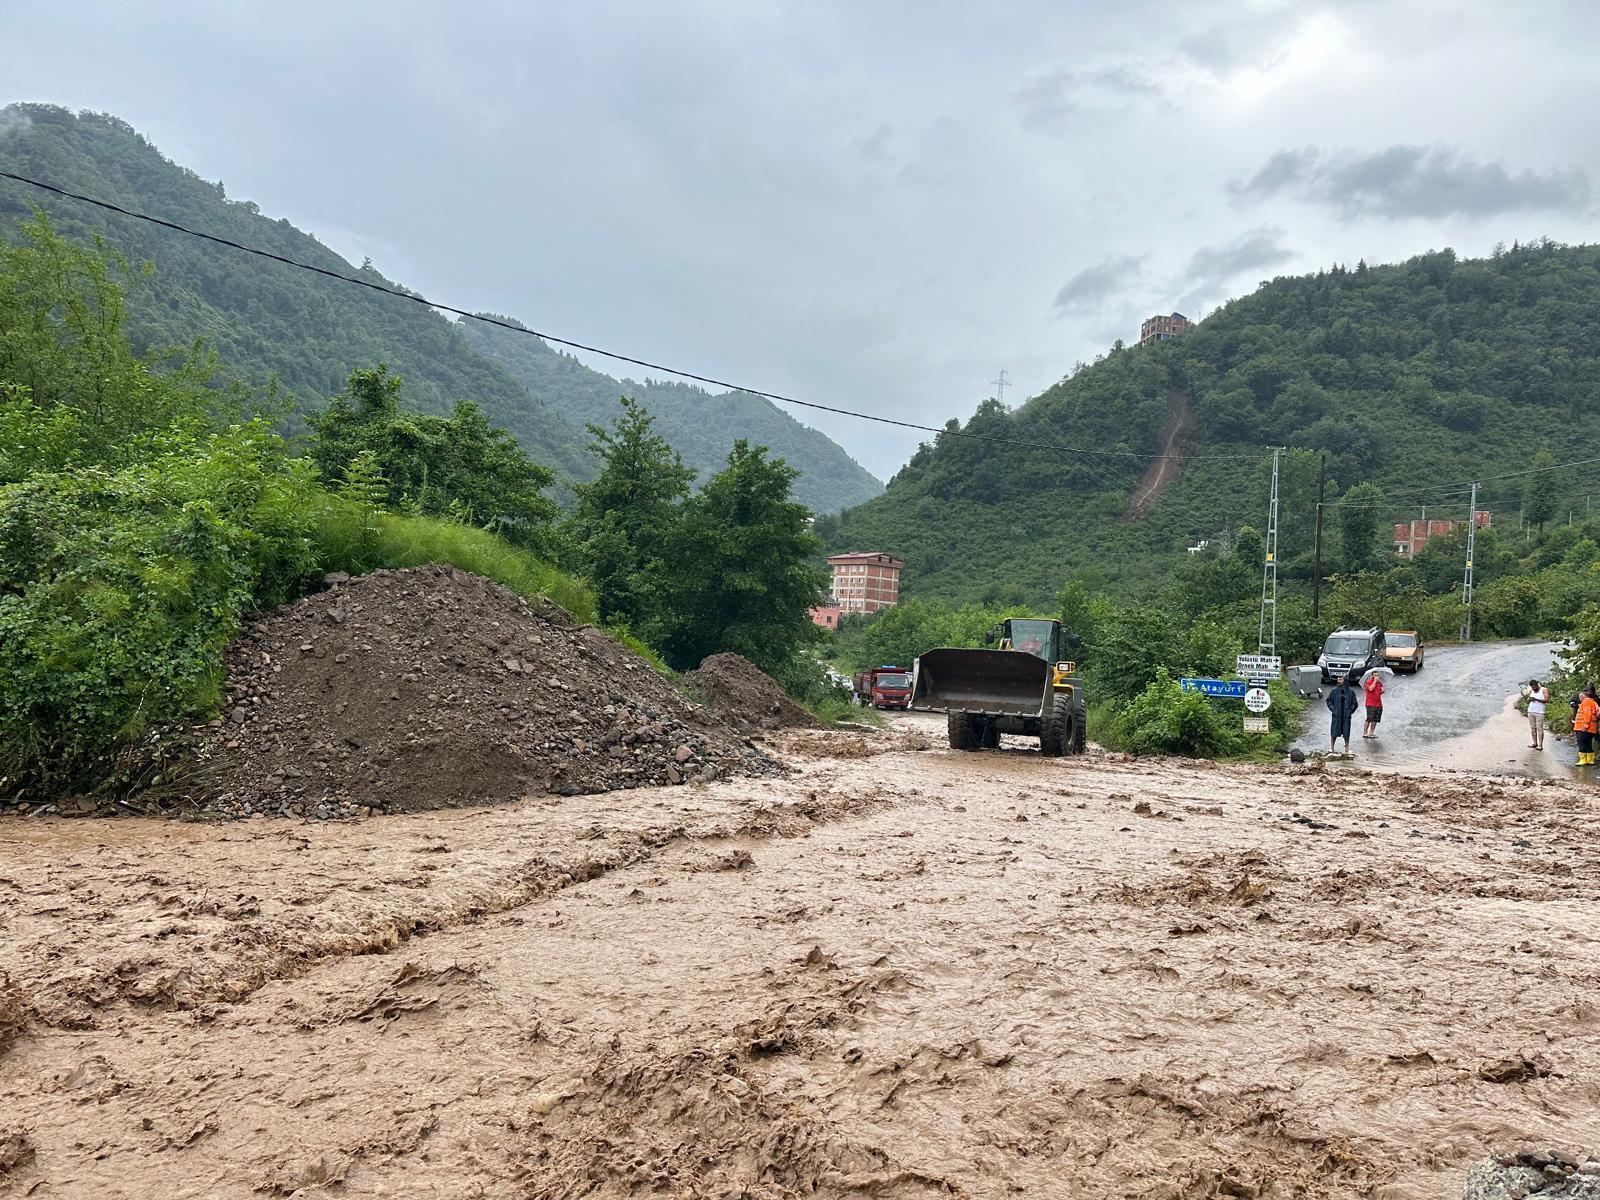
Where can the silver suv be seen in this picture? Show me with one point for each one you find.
(1349, 650)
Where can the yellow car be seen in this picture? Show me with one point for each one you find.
(1403, 650)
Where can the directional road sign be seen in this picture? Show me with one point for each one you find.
(1256, 665)
(1217, 689)
(1257, 700)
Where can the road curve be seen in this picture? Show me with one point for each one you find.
(1458, 714)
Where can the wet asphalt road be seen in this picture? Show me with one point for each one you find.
(1457, 714)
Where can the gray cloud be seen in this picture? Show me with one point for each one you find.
(1055, 101)
(1214, 265)
(1093, 286)
(875, 146)
(1417, 181)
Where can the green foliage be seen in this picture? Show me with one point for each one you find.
(1542, 491)
(1164, 719)
(1359, 534)
(138, 528)
(699, 424)
(739, 576)
(898, 635)
(119, 589)
(1399, 372)
(625, 519)
(269, 321)
(458, 465)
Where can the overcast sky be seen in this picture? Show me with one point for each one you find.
(870, 204)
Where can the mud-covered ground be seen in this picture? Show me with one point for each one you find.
(899, 974)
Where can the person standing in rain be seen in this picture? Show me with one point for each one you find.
(1342, 703)
(1586, 724)
(1538, 699)
(1372, 687)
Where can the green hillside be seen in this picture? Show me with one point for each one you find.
(1410, 376)
(701, 425)
(267, 320)
(264, 319)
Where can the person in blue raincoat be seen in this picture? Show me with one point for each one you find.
(1343, 703)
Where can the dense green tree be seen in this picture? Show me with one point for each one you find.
(625, 520)
(1541, 492)
(739, 575)
(1360, 527)
(458, 466)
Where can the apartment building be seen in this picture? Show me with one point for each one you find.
(865, 583)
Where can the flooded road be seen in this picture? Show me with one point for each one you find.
(898, 972)
(1457, 714)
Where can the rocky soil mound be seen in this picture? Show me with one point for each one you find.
(741, 692)
(433, 687)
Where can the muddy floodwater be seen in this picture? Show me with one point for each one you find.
(899, 971)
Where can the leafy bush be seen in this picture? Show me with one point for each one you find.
(118, 591)
(1165, 719)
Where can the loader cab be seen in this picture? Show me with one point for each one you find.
(1033, 635)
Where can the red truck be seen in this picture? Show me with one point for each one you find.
(884, 687)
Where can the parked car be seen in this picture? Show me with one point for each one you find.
(1348, 650)
(1403, 650)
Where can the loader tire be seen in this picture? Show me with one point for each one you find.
(1055, 739)
(1080, 727)
(989, 735)
(963, 731)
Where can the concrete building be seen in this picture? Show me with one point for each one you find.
(865, 583)
(1412, 536)
(1163, 327)
(827, 615)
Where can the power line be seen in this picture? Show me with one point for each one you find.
(416, 298)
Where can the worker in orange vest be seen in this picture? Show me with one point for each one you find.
(1586, 724)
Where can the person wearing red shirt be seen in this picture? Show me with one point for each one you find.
(1372, 686)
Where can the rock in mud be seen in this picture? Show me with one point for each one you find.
(1533, 1175)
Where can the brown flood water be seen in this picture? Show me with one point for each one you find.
(899, 974)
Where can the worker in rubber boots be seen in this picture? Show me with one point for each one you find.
(1342, 702)
(1586, 725)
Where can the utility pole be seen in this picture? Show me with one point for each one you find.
(1472, 543)
(1316, 558)
(1267, 642)
(1000, 386)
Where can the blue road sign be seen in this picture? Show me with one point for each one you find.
(1217, 689)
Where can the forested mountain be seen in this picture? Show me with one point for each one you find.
(266, 319)
(1410, 377)
(701, 425)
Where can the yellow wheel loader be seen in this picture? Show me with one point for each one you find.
(1025, 681)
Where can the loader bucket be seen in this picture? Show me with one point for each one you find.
(981, 681)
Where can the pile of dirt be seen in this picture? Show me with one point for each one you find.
(741, 692)
(432, 687)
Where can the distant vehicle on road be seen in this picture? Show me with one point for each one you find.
(885, 687)
(1403, 650)
(1349, 650)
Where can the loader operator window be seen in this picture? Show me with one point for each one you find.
(1031, 637)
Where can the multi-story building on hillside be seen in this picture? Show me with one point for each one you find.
(865, 583)
(1163, 326)
(1412, 536)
